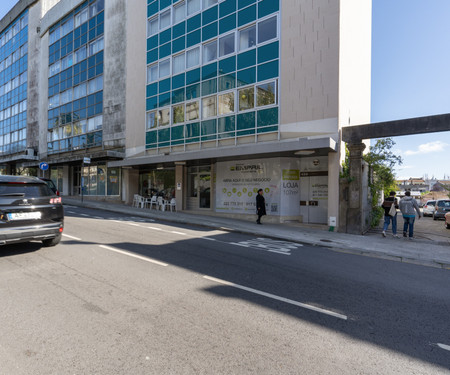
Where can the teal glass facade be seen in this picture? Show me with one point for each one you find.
(13, 86)
(75, 84)
(212, 70)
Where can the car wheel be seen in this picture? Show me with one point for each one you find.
(52, 241)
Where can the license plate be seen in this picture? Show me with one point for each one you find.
(24, 215)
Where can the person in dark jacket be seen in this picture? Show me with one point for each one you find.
(260, 206)
(388, 202)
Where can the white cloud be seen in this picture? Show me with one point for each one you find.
(426, 148)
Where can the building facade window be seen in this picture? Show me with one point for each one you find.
(215, 74)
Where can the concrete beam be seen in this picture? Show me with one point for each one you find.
(416, 125)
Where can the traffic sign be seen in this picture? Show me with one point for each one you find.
(86, 160)
(43, 166)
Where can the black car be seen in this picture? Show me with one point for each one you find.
(50, 184)
(29, 211)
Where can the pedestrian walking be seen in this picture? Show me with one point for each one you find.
(388, 211)
(408, 207)
(260, 206)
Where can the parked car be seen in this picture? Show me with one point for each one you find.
(29, 211)
(428, 208)
(50, 184)
(442, 207)
(447, 220)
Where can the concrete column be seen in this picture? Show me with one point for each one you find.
(130, 184)
(355, 205)
(333, 186)
(179, 186)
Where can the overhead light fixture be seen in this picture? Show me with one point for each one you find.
(304, 152)
(159, 166)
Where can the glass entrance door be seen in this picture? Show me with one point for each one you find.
(199, 188)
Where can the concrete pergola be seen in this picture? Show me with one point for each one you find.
(354, 136)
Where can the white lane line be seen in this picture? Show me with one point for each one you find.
(134, 255)
(133, 224)
(85, 215)
(71, 212)
(273, 296)
(155, 228)
(72, 237)
(443, 346)
(180, 233)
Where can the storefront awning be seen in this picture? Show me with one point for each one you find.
(290, 147)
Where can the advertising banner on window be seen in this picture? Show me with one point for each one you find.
(238, 183)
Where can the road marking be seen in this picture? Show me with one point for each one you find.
(71, 212)
(154, 228)
(84, 215)
(208, 239)
(98, 217)
(443, 346)
(267, 244)
(180, 233)
(273, 296)
(150, 260)
(72, 237)
(133, 224)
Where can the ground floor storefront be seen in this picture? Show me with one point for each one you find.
(295, 189)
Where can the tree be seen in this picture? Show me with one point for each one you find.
(382, 161)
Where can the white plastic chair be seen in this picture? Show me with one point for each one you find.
(136, 200)
(161, 204)
(173, 204)
(154, 202)
(141, 202)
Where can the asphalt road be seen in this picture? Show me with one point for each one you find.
(124, 295)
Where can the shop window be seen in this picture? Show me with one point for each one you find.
(246, 99)
(209, 107)
(226, 45)
(247, 38)
(192, 111)
(210, 51)
(267, 30)
(178, 114)
(226, 103)
(266, 94)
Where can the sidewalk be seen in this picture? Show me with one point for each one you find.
(418, 251)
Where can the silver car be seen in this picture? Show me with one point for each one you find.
(428, 208)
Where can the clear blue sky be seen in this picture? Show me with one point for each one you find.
(410, 76)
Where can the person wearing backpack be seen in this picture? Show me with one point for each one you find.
(390, 205)
(407, 206)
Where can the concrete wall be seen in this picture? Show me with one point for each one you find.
(136, 79)
(34, 105)
(114, 84)
(309, 67)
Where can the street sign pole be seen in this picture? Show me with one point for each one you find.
(82, 181)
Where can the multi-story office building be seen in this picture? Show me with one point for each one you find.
(202, 100)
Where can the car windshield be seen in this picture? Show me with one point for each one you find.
(444, 204)
(24, 190)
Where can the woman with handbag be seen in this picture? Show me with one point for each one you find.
(390, 206)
